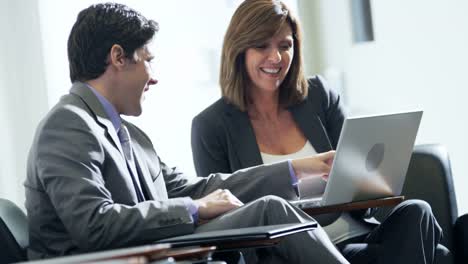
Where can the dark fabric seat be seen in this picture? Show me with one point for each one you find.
(13, 233)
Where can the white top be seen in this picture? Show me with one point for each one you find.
(308, 188)
(307, 150)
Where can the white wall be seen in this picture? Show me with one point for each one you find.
(418, 60)
(22, 90)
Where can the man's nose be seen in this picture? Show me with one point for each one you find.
(152, 77)
(152, 81)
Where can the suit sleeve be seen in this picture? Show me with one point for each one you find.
(70, 162)
(208, 150)
(246, 184)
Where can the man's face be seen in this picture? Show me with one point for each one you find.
(136, 78)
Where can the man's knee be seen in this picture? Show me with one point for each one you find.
(274, 201)
(277, 210)
(268, 202)
(275, 205)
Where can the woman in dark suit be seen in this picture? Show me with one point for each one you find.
(225, 139)
(269, 112)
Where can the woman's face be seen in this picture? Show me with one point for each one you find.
(268, 63)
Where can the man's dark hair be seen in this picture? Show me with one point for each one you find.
(97, 29)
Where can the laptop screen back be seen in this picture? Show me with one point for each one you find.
(372, 157)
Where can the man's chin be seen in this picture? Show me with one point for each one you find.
(134, 112)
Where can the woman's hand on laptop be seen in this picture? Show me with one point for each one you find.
(317, 165)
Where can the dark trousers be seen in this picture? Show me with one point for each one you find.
(409, 234)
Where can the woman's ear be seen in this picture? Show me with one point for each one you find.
(117, 56)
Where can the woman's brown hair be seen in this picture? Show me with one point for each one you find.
(253, 23)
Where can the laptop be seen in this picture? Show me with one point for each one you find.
(239, 235)
(371, 159)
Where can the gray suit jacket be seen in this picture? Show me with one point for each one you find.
(79, 194)
(223, 139)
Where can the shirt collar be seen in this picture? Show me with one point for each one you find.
(108, 108)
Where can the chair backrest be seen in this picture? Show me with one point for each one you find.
(461, 239)
(429, 178)
(13, 233)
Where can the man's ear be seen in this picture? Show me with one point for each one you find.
(117, 56)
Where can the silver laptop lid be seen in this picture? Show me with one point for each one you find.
(372, 157)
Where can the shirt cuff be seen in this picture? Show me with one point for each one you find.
(293, 176)
(192, 207)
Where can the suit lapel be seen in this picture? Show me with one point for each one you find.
(90, 99)
(144, 173)
(310, 124)
(243, 137)
(244, 141)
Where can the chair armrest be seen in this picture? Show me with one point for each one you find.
(191, 253)
(157, 251)
(185, 255)
(382, 202)
(147, 252)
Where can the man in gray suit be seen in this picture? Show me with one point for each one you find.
(95, 181)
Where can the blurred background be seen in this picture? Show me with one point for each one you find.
(382, 56)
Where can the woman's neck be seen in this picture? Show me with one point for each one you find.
(264, 106)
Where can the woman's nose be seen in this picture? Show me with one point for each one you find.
(274, 56)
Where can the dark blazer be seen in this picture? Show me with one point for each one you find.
(223, 139)
(80, 196)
